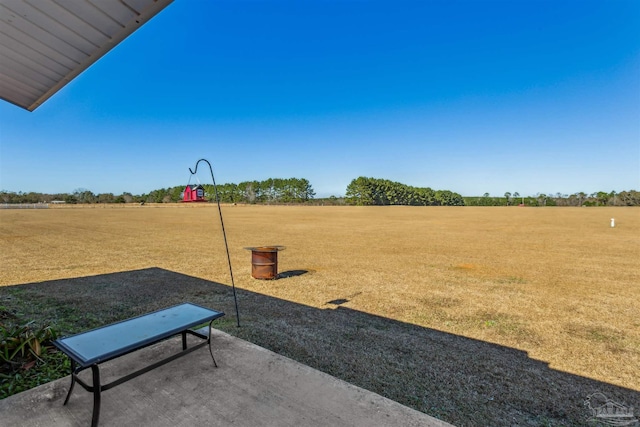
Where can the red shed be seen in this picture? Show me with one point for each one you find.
(193, 193)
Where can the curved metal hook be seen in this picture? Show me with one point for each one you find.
(224, 234)
(193, 172)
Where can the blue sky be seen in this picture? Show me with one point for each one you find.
(468, 96)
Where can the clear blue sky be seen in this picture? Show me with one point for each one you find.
(468, 96)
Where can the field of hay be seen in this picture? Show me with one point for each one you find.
(558, 284)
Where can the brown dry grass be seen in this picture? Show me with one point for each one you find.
(556, 283)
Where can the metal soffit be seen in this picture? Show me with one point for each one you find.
(44, 44)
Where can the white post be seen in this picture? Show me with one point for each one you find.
(613, 222)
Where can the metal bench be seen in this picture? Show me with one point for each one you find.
(90, 349)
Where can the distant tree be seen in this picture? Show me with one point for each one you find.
(542, 199)
(449, 198)
(228, 193)
(105, 198)
(304, 190)
(157, 196)
(629, 198)
(581, 197)
(516, 195)
(572, 200)
(175, 193)
(424, 197)
(485, 200)
(249, 191)
(507, 196)
(360, 192)
(83, 195)
(602, 198)
(266, 191)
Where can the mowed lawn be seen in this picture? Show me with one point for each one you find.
(559, 284)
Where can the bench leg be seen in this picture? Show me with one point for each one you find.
(97, 388)
(209, 341)
(184, 340)
(73, 381)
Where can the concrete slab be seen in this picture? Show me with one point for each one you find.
(252, 386)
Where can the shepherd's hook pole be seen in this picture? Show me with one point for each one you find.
(224, 234)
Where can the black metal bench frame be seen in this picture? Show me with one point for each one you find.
(79, 364)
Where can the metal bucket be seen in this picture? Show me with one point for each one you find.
(264, 262)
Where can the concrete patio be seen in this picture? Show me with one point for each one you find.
(252, 386)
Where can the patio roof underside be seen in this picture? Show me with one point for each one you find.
(44, 44)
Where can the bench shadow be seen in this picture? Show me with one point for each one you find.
(460, 380)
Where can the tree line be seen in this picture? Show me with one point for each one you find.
(598, 198)
(272, 190)
(361, 191)
(365, 191)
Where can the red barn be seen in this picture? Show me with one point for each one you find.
(193, 193)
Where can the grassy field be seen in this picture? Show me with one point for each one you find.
(479, 316)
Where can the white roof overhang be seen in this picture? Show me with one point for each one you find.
(44, 44)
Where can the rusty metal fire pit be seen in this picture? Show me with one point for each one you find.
(264, 261)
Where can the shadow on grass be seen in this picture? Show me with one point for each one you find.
(291, 273)
(464, 381)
